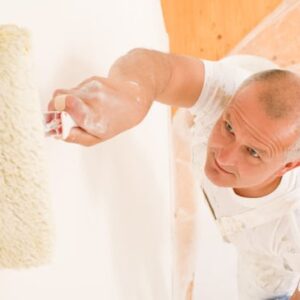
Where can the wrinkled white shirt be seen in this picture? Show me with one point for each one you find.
(268, 255)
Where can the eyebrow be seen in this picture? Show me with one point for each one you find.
(260, 151)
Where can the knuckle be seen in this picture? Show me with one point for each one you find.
(57, 92)
(51, 105)
(71, 139)
(95, 78)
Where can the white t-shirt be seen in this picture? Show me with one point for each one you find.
(269, 253)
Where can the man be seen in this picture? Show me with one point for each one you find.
(249, 127)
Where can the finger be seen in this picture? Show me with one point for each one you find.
(57, 103)
(93, 78)
(51, 105)
(63, 102)
(97, 82)
(57, 93)
(77, 109)
(81, 137)
(61, 91)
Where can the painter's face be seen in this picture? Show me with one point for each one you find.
(246, 148)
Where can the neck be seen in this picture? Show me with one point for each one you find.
(259, 190)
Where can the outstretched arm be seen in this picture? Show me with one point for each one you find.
(103, 107)
(168, 78)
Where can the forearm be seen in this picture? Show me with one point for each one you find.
(151, 70)
(171, 79)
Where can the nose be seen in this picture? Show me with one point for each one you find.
(227, 155)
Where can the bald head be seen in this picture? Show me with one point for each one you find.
(278, 92)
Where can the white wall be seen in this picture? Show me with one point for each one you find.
(111, 203)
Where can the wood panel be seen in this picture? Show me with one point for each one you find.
(210, 28)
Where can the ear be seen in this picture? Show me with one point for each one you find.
(287, 167)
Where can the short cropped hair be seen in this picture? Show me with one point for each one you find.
(280, 98)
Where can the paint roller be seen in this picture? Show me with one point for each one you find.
(26, 233)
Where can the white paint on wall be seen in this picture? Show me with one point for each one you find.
(111, 202)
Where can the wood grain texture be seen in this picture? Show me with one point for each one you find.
(211, 28)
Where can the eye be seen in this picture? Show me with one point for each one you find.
(228, 127)
(253, 152)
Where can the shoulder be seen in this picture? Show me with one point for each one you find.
(223, 77)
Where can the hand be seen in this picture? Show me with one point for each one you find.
(102, 108)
